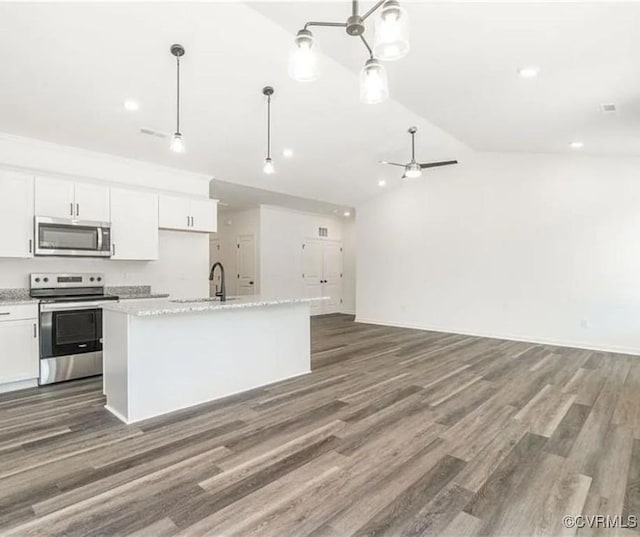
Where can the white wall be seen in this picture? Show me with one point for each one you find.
(349, 266)
(182, 268)
(230, 225)
(542, 248)
(282, 233)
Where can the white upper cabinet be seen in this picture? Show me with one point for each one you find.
(134, 225)
(16, 215)
(204, 215)
(54, 198)
(58, 198)
(173, 212)
(188, 214)
(92, 202)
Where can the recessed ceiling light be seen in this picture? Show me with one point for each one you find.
(131, 105)
(576, 145)
(347, 213)
(529, 71)
(382, 182)
(287, 153)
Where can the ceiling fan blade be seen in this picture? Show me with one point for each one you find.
(393, 163)
(436, 164)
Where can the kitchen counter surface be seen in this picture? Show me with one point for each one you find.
(139, 296)
(14, 297)
(168, 307)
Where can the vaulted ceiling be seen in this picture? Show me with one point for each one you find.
(68, 67)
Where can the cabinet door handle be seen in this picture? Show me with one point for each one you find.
(71, 208)
(113, 249)
(188, 221)
(5, 313)
(35, 330)
(30, 245)
(77, 209)
(192, 221)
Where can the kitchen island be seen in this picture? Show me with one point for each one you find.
(161, 355)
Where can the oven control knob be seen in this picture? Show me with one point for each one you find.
(99, 279)
(91, 279)
(46, 280)
(37, 280)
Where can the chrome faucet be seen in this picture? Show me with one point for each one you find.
(223, 292)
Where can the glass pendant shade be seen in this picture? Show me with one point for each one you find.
(391, 40)
(268, 167)
(373, 82)
(177, 145)
(303, 59)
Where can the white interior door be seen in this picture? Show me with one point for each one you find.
(332, 276)
(312, 272)
(246, 262)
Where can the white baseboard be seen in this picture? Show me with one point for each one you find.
(509, 337)
(18, 385)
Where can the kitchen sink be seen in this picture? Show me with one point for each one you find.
(202, 300)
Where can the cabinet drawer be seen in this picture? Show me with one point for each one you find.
(16, 312)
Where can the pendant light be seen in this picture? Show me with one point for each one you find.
(177, 145)
(373, 82)
(303, 59)
(391, 42)
(268, 167)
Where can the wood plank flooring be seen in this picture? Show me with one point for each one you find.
(395, 433)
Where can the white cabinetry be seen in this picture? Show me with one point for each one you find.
(16, 215)
(58, 198)
(134, 225)
(186, 214)
(19, 344)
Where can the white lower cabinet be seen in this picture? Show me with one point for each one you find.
(134, 225)
(18, 344)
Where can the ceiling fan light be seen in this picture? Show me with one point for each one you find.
(413, 170)
(303, 59)
(177, 144)
(391, 39)
(268, 167)
(373, 82)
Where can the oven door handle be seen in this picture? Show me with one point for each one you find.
(71, 306)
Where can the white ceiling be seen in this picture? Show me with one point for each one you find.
(461, 73)
(235, 197)
(68, 67)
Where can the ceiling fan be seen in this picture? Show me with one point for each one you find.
(414, 169)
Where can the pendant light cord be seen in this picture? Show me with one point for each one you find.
(178, 94)
(413, 146)
(269, 126)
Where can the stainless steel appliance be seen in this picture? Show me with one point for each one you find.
(61, 236)
(70, 324)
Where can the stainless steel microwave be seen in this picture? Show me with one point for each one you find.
(60, 236)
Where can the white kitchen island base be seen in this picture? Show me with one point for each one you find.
(158, 363)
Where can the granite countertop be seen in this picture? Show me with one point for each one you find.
(129, 292)
(14, 297)
(195, 305)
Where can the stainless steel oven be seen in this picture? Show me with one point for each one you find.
(70, 324)
(59, 236)
(70, 340)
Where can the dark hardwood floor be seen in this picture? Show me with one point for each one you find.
(395, 433)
